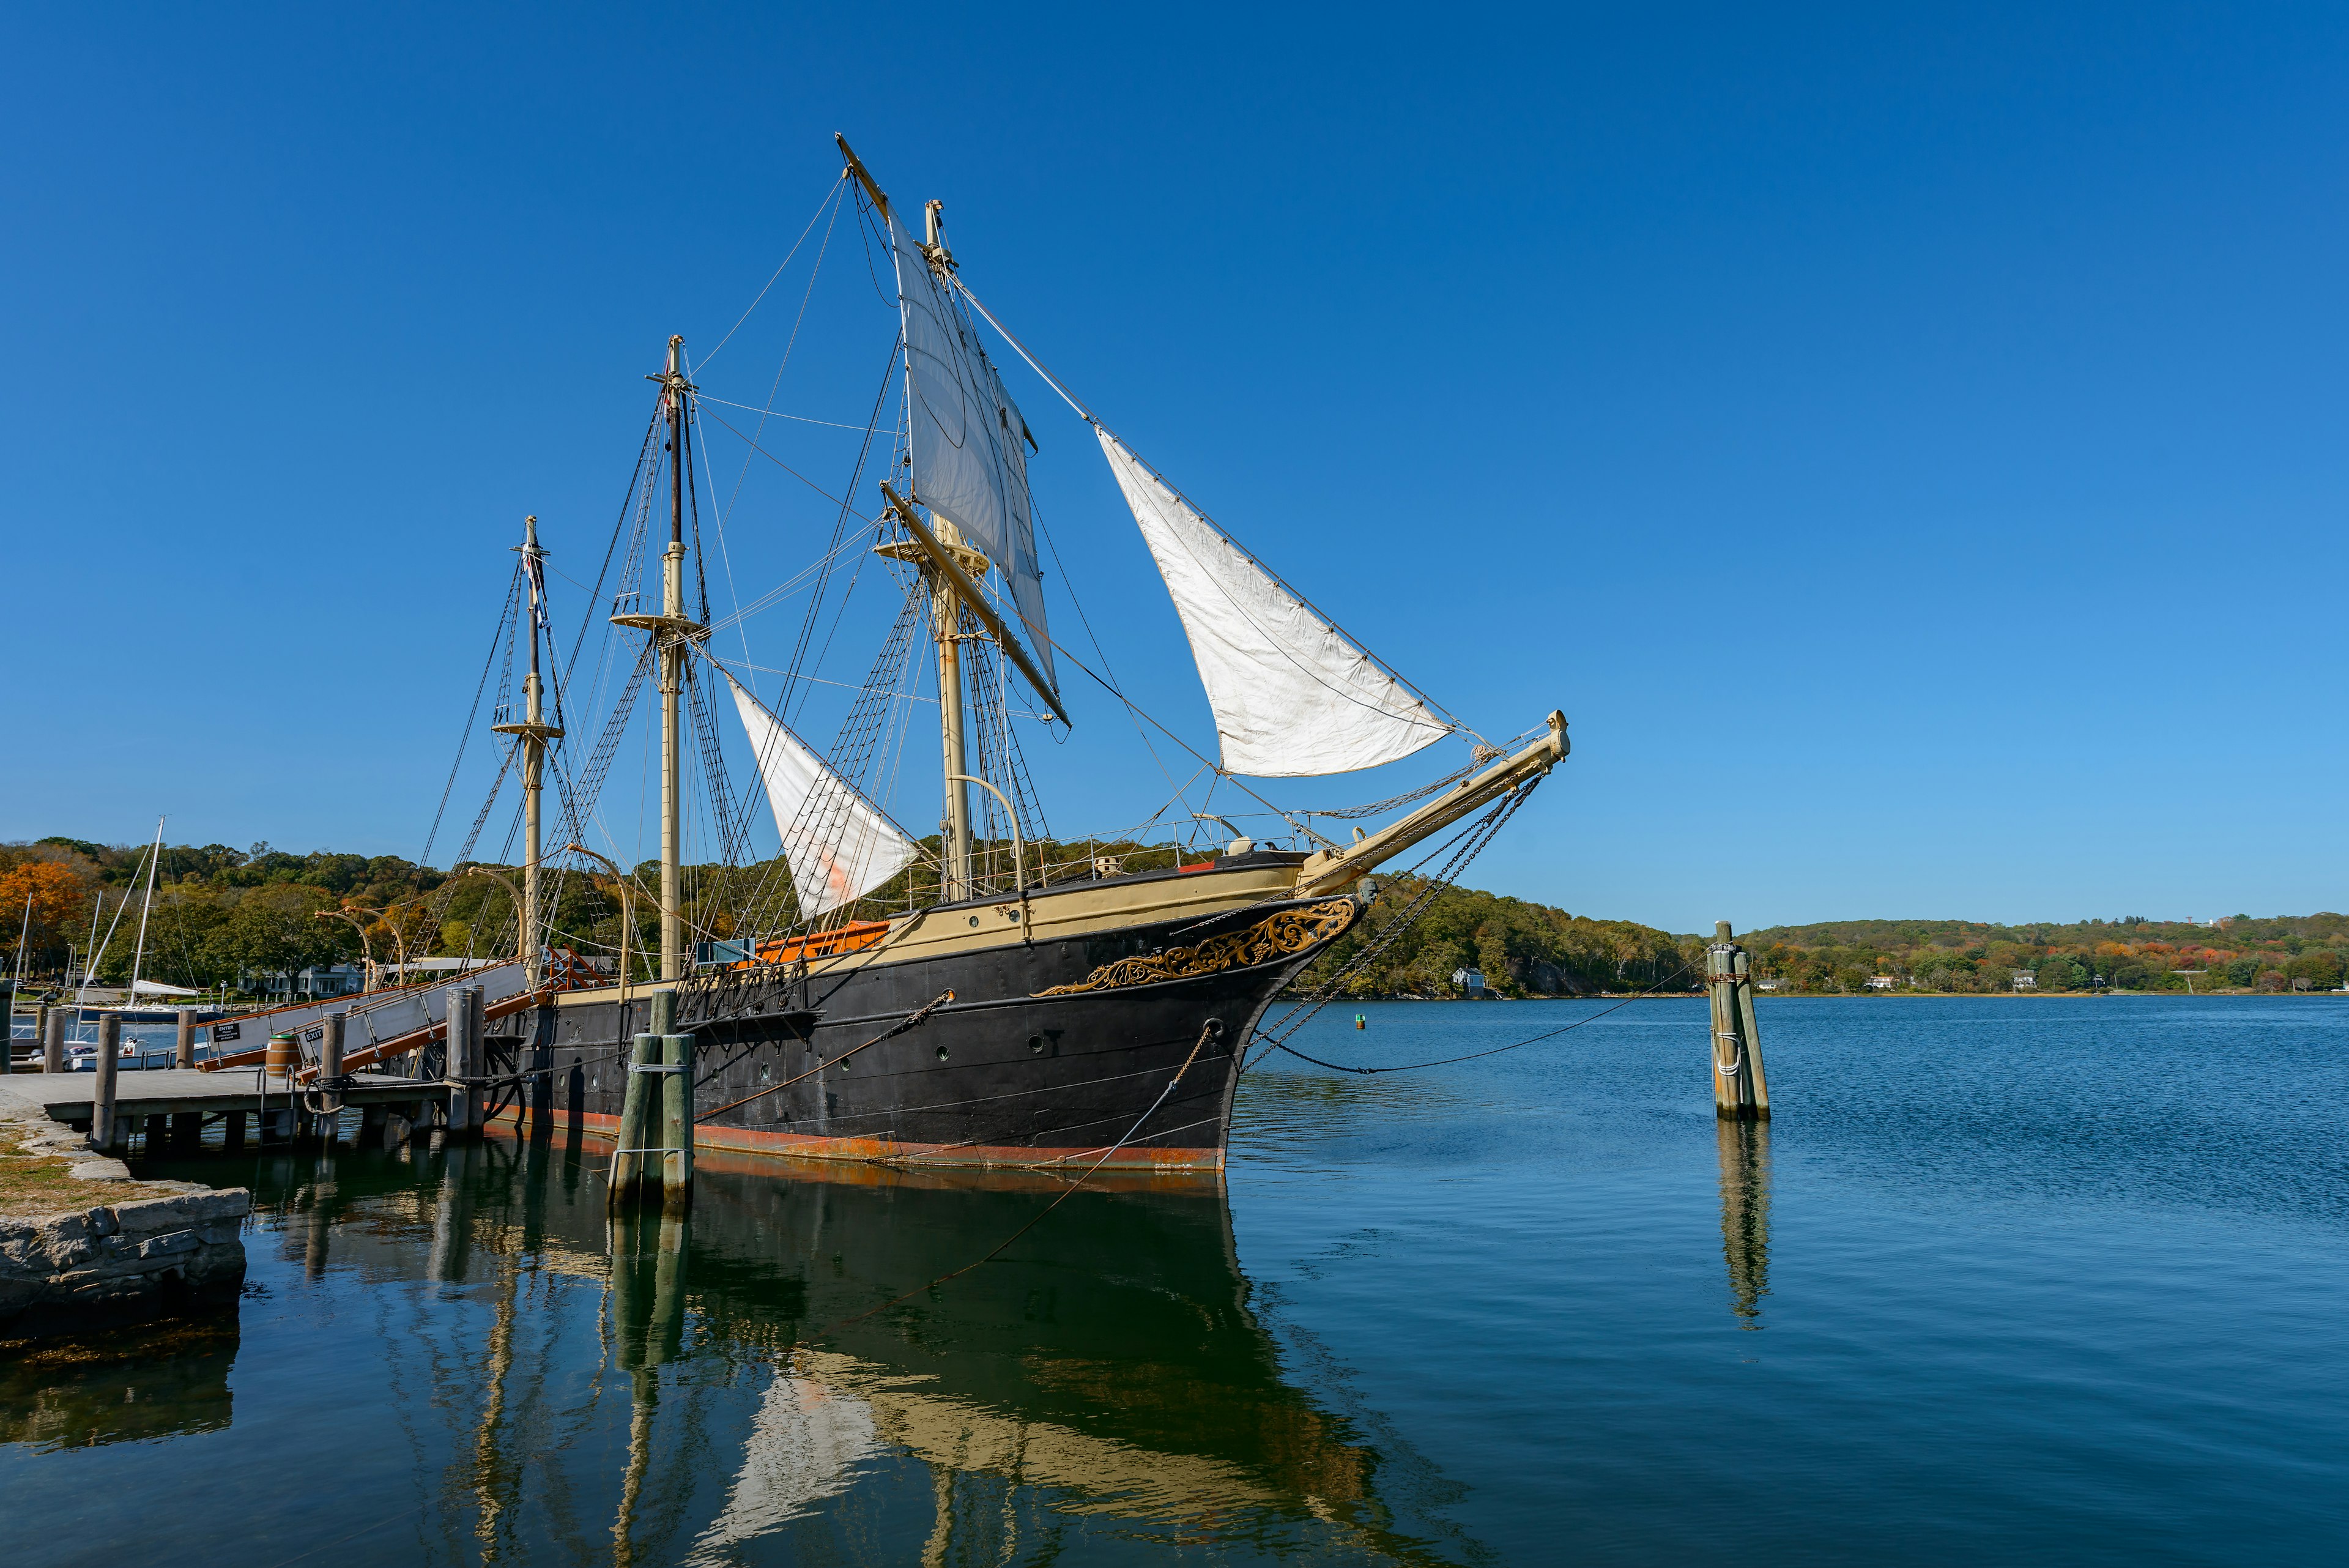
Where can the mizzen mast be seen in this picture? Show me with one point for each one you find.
(534, 731)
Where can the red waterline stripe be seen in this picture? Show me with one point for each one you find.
(804, 1146)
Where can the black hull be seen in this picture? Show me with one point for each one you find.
(1000, 1076)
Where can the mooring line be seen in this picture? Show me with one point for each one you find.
(1653, 990)
(918, 1016)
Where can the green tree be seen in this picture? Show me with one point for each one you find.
(2318, 967)
(2061, 971)
(272, 931)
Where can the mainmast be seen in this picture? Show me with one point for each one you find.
(139, 959)
(671, 631)
(535, 732)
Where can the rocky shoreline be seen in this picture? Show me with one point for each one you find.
(136, 1251)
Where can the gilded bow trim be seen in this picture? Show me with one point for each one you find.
(1282, 935)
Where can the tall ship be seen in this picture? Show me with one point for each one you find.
(985, 994)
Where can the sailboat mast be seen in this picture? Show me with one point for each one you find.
(672, 633)
(535, 732)
(946, 609)
(139, 957)
(533, 769)
(672, 674)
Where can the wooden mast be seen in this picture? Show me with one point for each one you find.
(946, 586)
(950, 570)
(535, 732)
(672, 630)
(672, 672)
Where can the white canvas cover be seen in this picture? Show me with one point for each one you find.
(969, 443)
(157, 988)
(1293, 698)
(839, 847)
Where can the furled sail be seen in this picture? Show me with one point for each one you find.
(839, 845)
(1293, 698)
(968, 440)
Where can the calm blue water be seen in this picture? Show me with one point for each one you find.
(2015, 1281)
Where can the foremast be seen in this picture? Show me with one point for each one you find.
(951, 569)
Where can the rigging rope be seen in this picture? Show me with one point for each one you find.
(1471, 1056)
(1466, 846)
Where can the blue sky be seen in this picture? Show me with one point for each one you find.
(1906, 441)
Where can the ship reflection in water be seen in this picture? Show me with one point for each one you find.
(541, 1382)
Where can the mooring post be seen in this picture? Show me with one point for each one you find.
(459, 1006)
(183, 1053)
(627, 1159)
(1739, 1092)
(53, 1042)
(477, 1032)
(101, 1099)
(677, 1124)
(8, 1048)
(642, 1106)
(330, 1073)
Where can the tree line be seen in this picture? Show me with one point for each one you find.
(2278, 953)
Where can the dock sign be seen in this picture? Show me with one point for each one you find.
(223, 1033)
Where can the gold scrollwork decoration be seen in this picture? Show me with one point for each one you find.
(1281, 935)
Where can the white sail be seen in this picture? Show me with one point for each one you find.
(969, 443)
(1293, 698)
(840, 848)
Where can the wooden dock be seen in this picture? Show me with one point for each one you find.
(176, 1103)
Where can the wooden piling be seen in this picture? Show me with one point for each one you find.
(53, 1042)
(330, 1073)
(156, 1133)
(183, 1053)
(463, 1063)
(186, 1129)
(1739, 1093)
(643, 1107)
(101, 1099)
(677, 1124)
(627, 1160)
(233, 1131)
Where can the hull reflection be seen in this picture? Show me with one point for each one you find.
(534, 1381)
(1111, 1358)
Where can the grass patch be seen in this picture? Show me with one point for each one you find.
(34, 1185)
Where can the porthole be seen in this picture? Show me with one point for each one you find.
(974, 919)
(1036, 1044)
(942, 1052)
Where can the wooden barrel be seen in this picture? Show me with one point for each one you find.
(281, 1054)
